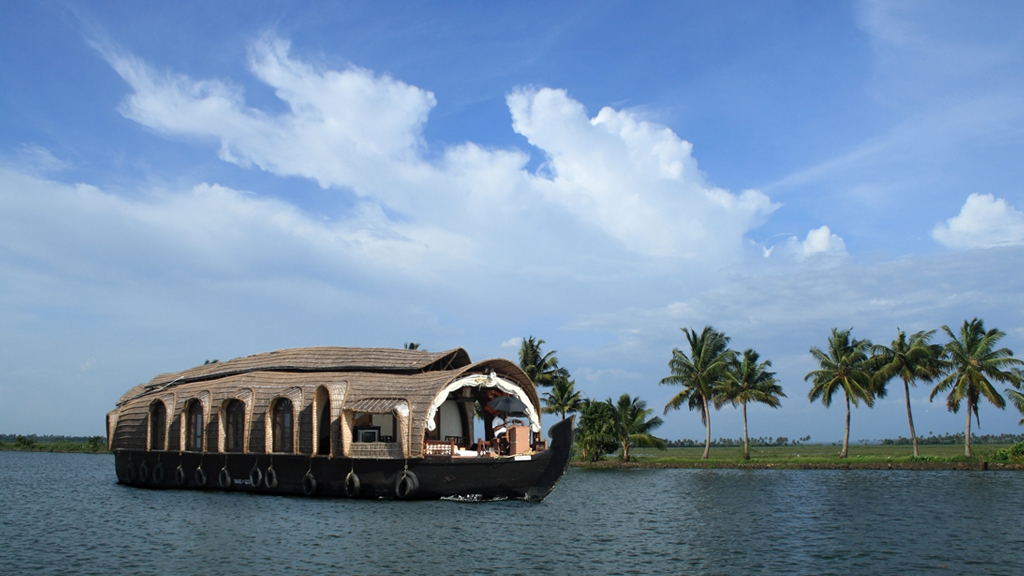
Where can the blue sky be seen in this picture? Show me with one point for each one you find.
(194, 181)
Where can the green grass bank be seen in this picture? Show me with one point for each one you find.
(822, 456)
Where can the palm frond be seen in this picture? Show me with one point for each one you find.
(1017, 399)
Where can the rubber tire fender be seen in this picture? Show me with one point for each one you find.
(179, 476)
(158, 473)
(309, 484)
(143, 472)
(129, 473)
(406, 485)
(270, 478)
(255, 476)
(200, 476)
(224, 478)
(352, 485)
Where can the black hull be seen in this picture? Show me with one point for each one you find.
(416, 478)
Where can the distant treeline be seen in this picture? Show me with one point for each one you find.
(957, 439)
(47, 438)
(946, 439)
(732, 443)
(36, 443)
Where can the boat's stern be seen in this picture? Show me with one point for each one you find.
(563, 435)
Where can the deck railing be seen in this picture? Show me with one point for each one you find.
(439, 447)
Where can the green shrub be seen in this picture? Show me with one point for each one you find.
(1015, 452)
(23, 443)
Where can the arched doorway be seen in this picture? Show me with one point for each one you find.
(157, 426)
(323, 445)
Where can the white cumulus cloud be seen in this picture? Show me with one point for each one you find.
(635, 179)
(984, 221)
(613, 176)
(819, 243)
(342, 127)
(208, 229)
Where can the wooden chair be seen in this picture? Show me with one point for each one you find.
(539, 443)
(483, 447)
(501, 445)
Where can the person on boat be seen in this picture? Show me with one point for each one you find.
(500, 435)
(501, 430)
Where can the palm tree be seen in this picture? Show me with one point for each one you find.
(973, 365)
(699, 374)
(593, 435)
(412, 345)
(542, 368)
(846, 366)
(912, 360)
(562, 399)
(630, 425)
(749, 381)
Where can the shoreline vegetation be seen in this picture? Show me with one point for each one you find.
(847, 464)
(66, 444)
(993, 456)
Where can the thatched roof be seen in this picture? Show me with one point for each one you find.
(321, 359)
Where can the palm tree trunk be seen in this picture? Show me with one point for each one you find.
(910, 417)
(746, 443)
(967, 435)
(707, 420)
(846, 439)
(625, 450)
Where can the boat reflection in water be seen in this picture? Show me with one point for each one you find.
(344, 422)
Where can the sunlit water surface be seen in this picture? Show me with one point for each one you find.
(64, 514)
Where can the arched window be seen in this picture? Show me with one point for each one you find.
(157, 425)
(194, 426)
(234, 426)
(282, 426)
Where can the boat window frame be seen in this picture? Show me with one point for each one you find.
(398, 408)
(356, 429)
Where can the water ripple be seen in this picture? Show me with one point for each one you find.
(64, 513)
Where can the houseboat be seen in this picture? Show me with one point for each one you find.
(341, 422)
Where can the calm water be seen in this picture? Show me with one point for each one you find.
(64, 514)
